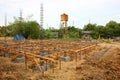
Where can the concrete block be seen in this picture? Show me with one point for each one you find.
(7, 54)
(20, 59)
(42, 53)
(66, 58)
(44, 67)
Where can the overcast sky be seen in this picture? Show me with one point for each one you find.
(80, 11)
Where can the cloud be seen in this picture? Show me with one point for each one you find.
(79, 11)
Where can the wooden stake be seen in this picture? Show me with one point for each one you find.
(76, 61)
(53, 68)
(25, 61)
(80, 54)
(46, 65)
(60, 64)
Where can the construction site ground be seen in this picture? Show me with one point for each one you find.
(102, 63)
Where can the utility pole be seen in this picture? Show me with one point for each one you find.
(5, 41)
(5, 19)
(41, 16)
(20, 21)
(5, 26)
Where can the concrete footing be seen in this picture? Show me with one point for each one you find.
(44, 67)
(66, 58)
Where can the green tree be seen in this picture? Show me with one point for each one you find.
(30, 29)
(2, 31)
(118, 30)
(113, 28)
(94, 34)
(73, 32)
(89, 27)
(100, 30)
(80, 33)
(42, 34)
(111, 24)
(49, 33)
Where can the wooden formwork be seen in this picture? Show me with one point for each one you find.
(56, 48)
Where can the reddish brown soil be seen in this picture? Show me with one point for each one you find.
(106, 67)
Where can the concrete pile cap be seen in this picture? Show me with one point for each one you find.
(42, 53)
(66, 58)
(7, 54)
(20, 59)
(44, 67)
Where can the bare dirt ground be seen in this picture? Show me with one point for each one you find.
(107, 67)
(104, 67)
(103, 63)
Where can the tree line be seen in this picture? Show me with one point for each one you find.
(31, 30)
(110, 30)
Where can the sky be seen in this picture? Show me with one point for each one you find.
(80, 12)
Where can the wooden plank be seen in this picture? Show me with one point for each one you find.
(38, 64)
